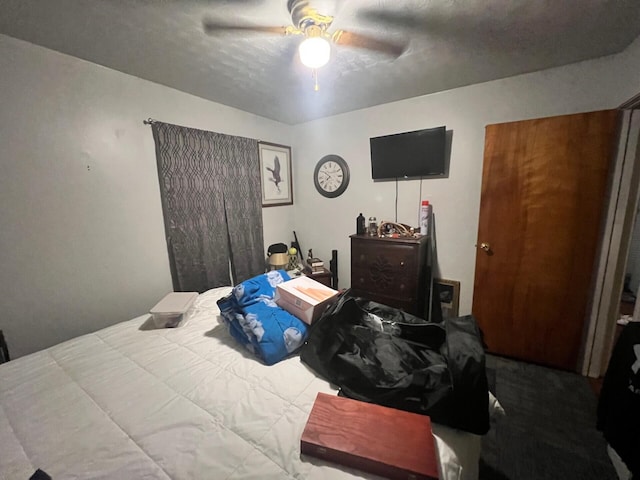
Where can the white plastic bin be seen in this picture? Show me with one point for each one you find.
(174, 309)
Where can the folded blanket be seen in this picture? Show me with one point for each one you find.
(255, 321)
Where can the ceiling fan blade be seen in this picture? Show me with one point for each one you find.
(211, 27)
(341, 37)
(404, 19)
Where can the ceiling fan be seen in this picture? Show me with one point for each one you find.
(315, 49)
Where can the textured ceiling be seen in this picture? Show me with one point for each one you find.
(451, 43)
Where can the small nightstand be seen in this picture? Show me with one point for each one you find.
(323, 276)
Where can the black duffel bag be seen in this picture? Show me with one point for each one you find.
(378, 354)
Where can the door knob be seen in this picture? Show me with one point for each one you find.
(485, 246)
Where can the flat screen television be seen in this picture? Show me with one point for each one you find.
(420, 153)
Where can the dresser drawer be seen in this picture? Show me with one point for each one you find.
(388, 269)
(380, 279)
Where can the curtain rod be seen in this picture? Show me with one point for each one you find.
(149, 121)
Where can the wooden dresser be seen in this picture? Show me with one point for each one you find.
(393, 271)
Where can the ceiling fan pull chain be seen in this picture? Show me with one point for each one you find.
(314, 72)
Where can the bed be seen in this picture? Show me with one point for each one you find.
(183, 403)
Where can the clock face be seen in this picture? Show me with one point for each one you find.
(331, 176)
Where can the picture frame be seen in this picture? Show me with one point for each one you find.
(276, 180)
(449, 297)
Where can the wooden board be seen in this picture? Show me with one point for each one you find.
(384, 441)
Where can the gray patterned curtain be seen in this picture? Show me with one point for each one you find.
(211, 202)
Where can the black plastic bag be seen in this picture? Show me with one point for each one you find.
(383, 355)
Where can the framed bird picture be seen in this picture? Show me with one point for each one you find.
(275, 174)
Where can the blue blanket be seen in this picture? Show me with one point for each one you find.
(256, 322)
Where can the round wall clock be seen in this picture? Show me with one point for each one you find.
(331, 176)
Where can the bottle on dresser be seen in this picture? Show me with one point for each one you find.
(360, 225)
(373, 227)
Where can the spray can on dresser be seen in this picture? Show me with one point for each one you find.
(425, 217)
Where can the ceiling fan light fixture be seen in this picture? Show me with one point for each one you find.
(314, 52)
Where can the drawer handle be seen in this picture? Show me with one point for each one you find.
(402, 264)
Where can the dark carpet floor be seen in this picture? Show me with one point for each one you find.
(549, 429)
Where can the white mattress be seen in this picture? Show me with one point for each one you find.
(184, 403)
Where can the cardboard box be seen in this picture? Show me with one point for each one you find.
(304, 298)
(384, 441)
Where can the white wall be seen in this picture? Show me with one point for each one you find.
(81, 230)
(326, 224)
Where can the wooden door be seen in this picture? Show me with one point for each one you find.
(544, 184)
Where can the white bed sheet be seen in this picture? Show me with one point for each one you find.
(184, 403)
